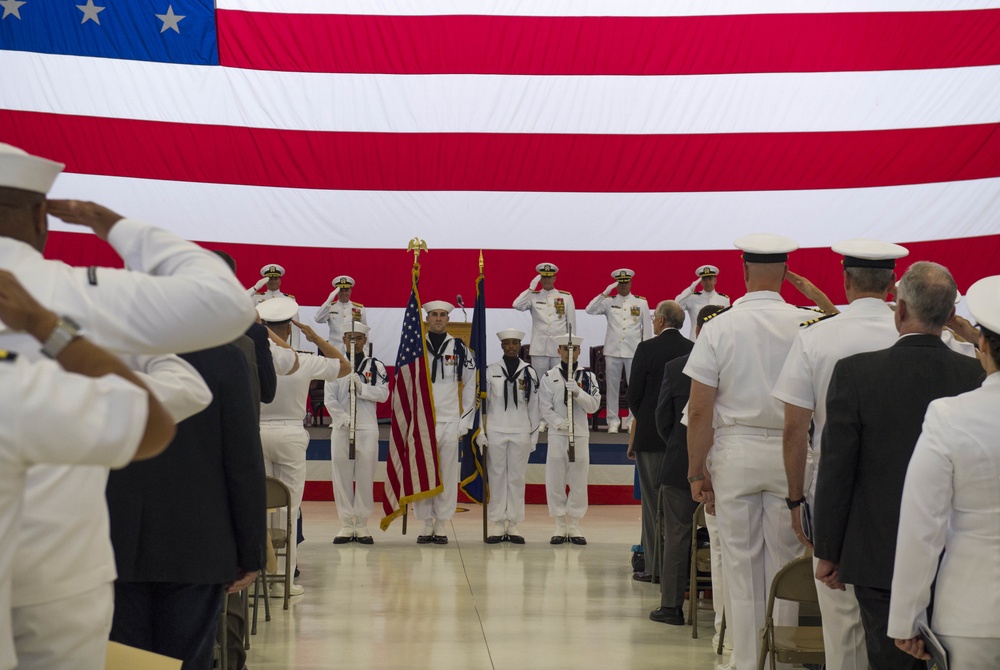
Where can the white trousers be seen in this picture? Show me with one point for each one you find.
(971, 653)
(354, 502)
(560, 473)
(613, 376)
(720, 597)
(442, 506)
(543, 364)
(507, 466)
(68, 634)
(748, 475)
(285, 459)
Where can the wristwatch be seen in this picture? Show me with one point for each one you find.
(792, 504)
(66, 331)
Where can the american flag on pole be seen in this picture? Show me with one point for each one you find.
(589, 133)
(412, 467)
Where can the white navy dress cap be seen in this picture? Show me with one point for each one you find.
(707, 271)
(343, 281)
(547, 269)
(983, 300)
(358, 328)
(869, 253)
(765, 247)
(438, 305)
(272, 270)
(511, 334)
(19, 169)
(623, 275)
(277, 310)
(563, 340)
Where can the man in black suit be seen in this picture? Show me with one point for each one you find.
(675, 503)
(646, 446)
(875, 409)
(191, 523)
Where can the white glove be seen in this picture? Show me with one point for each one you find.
(534, 282)
(344, 422)
(259, 285)
(696, 284)
(358, 379)
(333, 295)
(573, 388)
(563, 425)
(481, 440)
(610, 288)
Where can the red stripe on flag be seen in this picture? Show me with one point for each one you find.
(608, 45)
(508, 161)
(659, 274)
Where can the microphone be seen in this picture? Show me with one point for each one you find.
(458, 301)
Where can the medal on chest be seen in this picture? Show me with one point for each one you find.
(560, 305)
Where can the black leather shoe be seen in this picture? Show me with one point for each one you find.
(494, 539)
(669, 615)
(642, 576)
(557, 539)
(342, 540)
(578, 540)
(425, 539)
(515, 539)
(367, 539)
(440, 539)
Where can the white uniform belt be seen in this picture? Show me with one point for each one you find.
(281, 422)
(748, 430)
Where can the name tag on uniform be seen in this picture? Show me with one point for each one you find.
(615, 306)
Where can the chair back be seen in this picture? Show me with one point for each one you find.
(278, 494)
(699, 516)
(795, 582)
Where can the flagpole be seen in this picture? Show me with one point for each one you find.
(416, 245)
(482, 426)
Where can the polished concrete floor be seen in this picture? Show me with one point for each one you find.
(473, 606)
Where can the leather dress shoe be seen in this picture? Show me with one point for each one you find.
(339, 539)
(515, 539)
(578, 539)
(642, 576)
(669, 615)
(425, 539)
(557, 539)
(494, 539)
(440, 539)
(364, 539)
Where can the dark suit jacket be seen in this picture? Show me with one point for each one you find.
(195, 514)
(644, 388)
(875, 409)
(674, 392)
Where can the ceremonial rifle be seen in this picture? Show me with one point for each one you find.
(569, 397)
(351, 431)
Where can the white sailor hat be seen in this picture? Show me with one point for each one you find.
(765, 247)
(869, 253)
(983, 300)
(438, 304)
(563, 340)
(358, 328)
(547, 269)
(272, 270)
(706, 271)
(19, 169)
(511, 334)
(277, 310)
(343, 281)
(622, 275)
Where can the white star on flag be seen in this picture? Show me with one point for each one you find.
(90, 12)
(170, 20)
(11, 7)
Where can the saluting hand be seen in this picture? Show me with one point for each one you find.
(80, 212)
(307, 331)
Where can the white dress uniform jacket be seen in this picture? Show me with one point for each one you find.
(951, 503)
(338, 316)
(187, 300)
(867, 324)
(692, 302)
(52, 416)
(549, 313)
(628, 322)
(371, 389)
(511, 407)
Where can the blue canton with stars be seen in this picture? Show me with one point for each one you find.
(411, 343)
(167, 31)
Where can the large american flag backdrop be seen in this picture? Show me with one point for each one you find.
(594, 134)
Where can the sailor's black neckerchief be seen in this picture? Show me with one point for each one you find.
(510, 374)
(435, 345)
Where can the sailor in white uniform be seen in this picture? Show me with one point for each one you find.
(283, 438)
(271, 275)
(354, 479)
(699, 294)
(450, 365)
(551, 311)
(866, 324)
(951, 504)
(555, 389)
(512, 418)
(339, 310)
(733, 366)
(629, 324)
